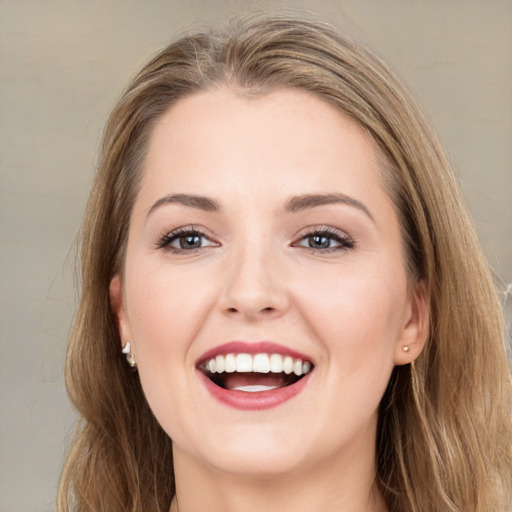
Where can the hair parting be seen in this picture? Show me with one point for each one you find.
(444, 433)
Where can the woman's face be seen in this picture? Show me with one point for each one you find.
(264, 291)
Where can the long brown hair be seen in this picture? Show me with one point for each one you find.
(444, 434)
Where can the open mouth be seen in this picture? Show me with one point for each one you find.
(254, 373)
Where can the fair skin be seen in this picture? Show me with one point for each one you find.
(296, 244)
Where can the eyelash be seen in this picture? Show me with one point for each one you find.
(345, 241)
(167, 239)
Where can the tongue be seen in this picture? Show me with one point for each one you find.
(253, 382)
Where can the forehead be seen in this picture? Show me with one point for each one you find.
(283, 138)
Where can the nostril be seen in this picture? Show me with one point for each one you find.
(266, 310)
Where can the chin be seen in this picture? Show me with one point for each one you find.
(259, 466)
(257, 454)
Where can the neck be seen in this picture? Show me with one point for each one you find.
(331, 486)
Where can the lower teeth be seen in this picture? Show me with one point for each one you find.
(254, 388)
(252, 382)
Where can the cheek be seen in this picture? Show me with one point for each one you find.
(355, 317)
(165, 310)
(358, 315)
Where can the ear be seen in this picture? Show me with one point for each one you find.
(117, 303)
(416, 328)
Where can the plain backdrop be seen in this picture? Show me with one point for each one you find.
(62, 66)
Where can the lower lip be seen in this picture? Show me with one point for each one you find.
(253, 401)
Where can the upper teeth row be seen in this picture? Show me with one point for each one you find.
(260, 363)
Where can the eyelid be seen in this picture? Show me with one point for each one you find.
(345, 240)
(164, 241)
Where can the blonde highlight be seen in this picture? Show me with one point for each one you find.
(445, 423)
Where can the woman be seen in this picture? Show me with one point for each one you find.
(284, 304)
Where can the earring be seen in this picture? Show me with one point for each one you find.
(406, 348)
(130, 358)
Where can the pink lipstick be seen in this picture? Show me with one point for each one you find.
(254, 376)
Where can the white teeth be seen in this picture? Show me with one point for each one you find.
(259, 363)
(276, 363)
(229, 363)
(220, 364)
(254, 388)
(288, 365)
(243, 363)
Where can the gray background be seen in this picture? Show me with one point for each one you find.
(63, 64)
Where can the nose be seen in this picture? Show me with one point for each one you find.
(255, 286)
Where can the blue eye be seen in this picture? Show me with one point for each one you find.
(183, 240)
(325, 240)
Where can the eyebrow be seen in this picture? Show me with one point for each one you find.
(199, 202)
(293, 205)
(305, 202)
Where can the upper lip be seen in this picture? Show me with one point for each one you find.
(244, 347)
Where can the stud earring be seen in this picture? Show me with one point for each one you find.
(130, 358)
(406, 348)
